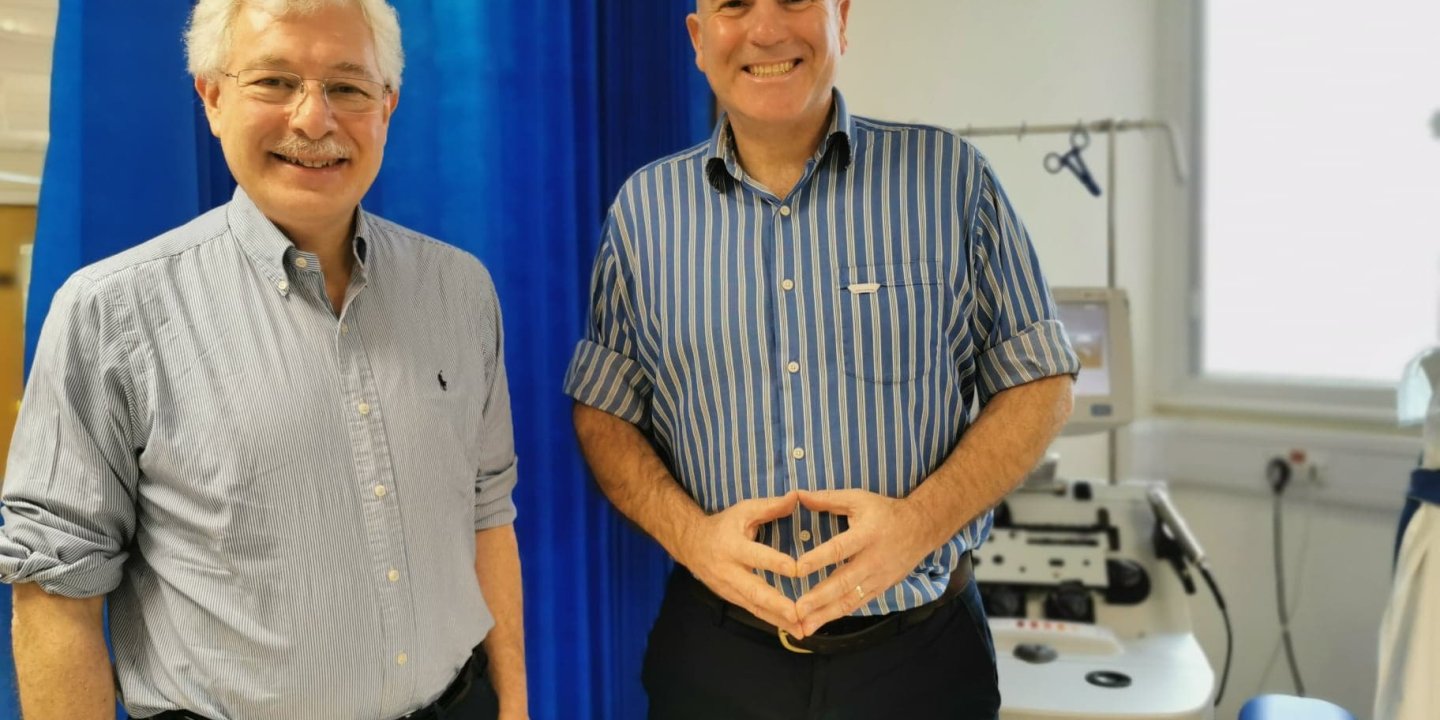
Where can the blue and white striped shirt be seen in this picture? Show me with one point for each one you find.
(831, 339)
(280, 503)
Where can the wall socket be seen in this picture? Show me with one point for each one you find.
(1292, 466)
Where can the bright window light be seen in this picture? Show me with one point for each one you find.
(1321, 215)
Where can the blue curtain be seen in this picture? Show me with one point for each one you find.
(518, 120)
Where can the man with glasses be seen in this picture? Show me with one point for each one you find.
(790, 324)
(277, 439)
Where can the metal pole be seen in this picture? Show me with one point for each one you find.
(1113, 436)
(1111, 127)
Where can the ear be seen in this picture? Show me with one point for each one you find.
(392, 101)
(209, 92)
(692, 24)
(844, 14)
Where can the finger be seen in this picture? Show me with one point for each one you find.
(824, 604)
(765, 602)
(834, 551)
(762, 510)
(764, 557)
(838, 587)
(841, 502)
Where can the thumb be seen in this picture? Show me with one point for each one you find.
(763, 510)
(839, 502)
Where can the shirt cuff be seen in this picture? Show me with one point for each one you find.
(59, 562)
(494, 499)
(608, 381)
(1041, 351)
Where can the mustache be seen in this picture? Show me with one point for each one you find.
(296, 146)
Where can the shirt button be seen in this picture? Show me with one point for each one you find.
(393, 575)
(401, 659)
(793, 367)
(283, 286)
(302, 263)
(380, 491)
(785, 210)
(344, 328)
(364, 408)
(787, 284)
(805, 536)
(798, 453)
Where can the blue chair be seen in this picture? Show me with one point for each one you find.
(1289, 707)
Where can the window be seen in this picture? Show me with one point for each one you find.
(1319, 208)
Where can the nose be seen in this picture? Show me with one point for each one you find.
(311, 115)
(770, 23)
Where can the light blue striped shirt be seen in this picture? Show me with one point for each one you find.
(831, 339)
(281, 503)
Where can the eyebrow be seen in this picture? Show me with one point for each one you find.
(344, 66)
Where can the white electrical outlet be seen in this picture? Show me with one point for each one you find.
(1295, 466)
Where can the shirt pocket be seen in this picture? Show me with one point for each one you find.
(891, 320)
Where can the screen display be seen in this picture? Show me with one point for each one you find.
(1088, 325)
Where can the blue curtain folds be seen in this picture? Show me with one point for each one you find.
(517, 123)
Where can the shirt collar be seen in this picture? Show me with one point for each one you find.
(722, 167)
(271, 251)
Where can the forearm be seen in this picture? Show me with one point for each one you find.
(994, 455)
(632, 476)
(61, 662)
(497, 568)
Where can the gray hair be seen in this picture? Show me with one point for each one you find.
(207, 38)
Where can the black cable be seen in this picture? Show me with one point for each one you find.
(1229, 635)
(1280, 601)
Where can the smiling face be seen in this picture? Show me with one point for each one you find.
(771, 63)
(302, 164)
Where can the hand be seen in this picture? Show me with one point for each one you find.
(722, 553)
(887, 538)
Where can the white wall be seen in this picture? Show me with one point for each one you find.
(1001, 62)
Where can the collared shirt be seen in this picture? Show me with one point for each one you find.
(280, 500)
(834, 338)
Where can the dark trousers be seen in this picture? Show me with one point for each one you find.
(702, 666)
(481, 703)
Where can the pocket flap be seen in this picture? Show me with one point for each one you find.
(864, 279)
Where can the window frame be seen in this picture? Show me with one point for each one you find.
(1179, 346)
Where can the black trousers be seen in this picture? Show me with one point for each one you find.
(701, 666)
(481, 703)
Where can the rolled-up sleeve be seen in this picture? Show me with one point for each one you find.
(496, 476)
(605, 372)
(69, 495)
(1018, 331)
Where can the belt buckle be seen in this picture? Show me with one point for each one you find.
(785, 643)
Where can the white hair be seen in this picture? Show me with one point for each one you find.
(207, 38)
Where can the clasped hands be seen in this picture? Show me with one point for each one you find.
(886, 538)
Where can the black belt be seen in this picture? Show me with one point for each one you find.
(453, 695)
(844, 635)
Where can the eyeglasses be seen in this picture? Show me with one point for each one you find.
(343, 94)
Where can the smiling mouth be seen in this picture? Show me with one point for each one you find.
(771, 70)
(312, 163)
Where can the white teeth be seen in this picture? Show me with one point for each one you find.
(773, 70)
(311, 163)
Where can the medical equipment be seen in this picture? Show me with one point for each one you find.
(1073, 161)
(1097, 320)
(1111, 127)
(1086, 584)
